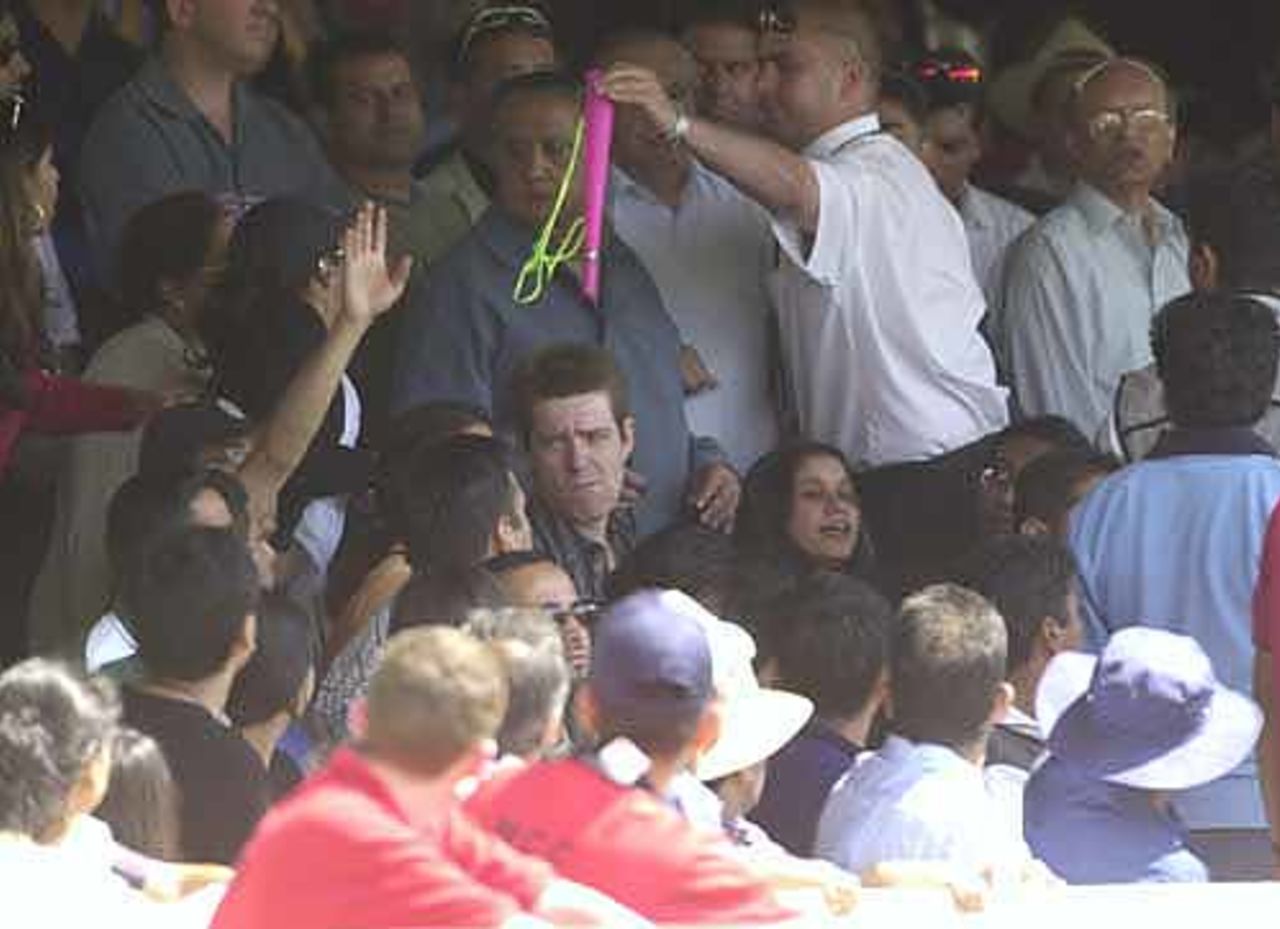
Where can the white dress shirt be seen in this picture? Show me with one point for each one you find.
(992, 224)
(879, 317)
(710, 257)
(919, 802)
(1080, 290)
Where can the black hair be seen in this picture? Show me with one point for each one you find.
(444, 598)
(1057, 431)
(324, 61)
(452, 497)
(558, 84)
(53, 724)
(568, 369)
(902, 87)
(1216, 355)
(189, 594)
(284, 655)
(688, 557)
(515, 561)
(141, 804)
(830, 639)
(1028, 579)
(1044, 490)
(947, 663)
(744, 14)
(1237, 214)
(165, 242)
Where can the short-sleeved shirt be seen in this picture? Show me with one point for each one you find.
(1080, 290)
(879, 317)
(465, 336)
(149, 140)
(342, 852)
(221, 780)
(625, 842)
(991, 224)
(1090, 832)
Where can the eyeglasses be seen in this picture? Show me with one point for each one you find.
(584, 611)
(953, 72)
(496, 18)
(1109, 125)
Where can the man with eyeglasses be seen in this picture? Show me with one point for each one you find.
(498, 42)
(709, 251)
(1081, 287)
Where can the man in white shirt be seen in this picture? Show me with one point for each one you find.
(877, 303)
(922, 796)
(709, 250)
(1082, 286)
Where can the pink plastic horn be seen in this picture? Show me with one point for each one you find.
(597, 140)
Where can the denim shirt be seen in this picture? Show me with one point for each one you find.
(465, 336)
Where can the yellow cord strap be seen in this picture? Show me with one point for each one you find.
(536, 275)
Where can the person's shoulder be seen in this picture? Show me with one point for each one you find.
(1004, 212)
(128, 109)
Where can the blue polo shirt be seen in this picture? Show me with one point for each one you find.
(1091, 832)
(464, 337)
(1175, 542)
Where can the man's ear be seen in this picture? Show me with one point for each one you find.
(628, 430)
(246, 643)
(1203, 267)
(709, 728)
(1001, 702)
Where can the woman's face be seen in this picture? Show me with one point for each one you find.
(43, 182)
(825, 519)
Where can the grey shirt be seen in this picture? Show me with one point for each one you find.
(149, 140)
(464, 337)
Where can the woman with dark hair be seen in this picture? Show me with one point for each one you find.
(141, 804)
(281, 292)
(170, 255)
(800, 513)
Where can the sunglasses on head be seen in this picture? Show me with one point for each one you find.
(778, 20)
(953, 72)
(498, 18)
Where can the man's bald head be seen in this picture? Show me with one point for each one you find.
(848, 22)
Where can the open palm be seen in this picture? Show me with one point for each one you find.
(369, 286)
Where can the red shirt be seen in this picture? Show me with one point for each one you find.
(340, 852)
(625, 842)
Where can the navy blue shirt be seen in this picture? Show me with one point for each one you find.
(1090, 832)
(800, 777)
(464, 337)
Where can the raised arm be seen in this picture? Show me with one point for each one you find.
(778, 179)
(369, 288)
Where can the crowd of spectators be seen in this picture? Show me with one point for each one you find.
(902, 511)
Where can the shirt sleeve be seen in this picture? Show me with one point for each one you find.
(715, 886)
(823, 259)
(497, 865)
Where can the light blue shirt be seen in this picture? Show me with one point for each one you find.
(710, 257)
(1080, 290)
(1176, 543)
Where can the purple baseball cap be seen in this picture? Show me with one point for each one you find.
(650, 657)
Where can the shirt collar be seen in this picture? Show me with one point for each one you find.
(1101, 213)
(1014, 718)
(1238, 440)
(159, 87)
(831, 141)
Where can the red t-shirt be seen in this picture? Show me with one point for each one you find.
(625, 842)
(340, 852)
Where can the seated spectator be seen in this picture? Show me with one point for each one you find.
(376, 838)
(467, 333)
(953, 86)
(187, 121)
(1177, 541)
(56, 734)
(192, 597)
(274, 689)
(1031, 581)
(1234, 227)
(1127, 728)
(649, 702)
(690, 558)
(1083, 284)
(922, 796)
(829, 641)
(170, 255)
(446, 599)
(537, 679)
(528, 579)
(141, 802)
(1050, 487)
(709, 251)
(722, 37)
(800, 513)
(575, 420)
(498, 42)
(902, 108)
(458, 504)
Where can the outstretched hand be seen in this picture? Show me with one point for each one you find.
(369, 286)
(640, 87)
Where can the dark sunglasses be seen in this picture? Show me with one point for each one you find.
(498, 18)
(584, 611)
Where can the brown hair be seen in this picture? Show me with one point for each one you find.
(568, 370)
(437, 693)
(20, 288)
